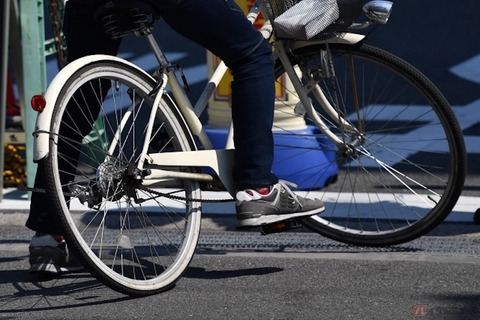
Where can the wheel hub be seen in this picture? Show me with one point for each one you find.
(109, 180)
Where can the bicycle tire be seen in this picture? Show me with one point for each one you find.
(128, 236)
(407, 174)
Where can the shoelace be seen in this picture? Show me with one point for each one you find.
(286, 185)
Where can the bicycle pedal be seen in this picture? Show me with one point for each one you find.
(280, 226)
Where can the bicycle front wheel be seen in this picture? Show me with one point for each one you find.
(134, 233)
(401, 166)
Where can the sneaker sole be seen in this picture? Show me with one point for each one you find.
(45, 268)
(51, 269)
(272, 218)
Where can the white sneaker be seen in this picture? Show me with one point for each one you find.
(49, 255)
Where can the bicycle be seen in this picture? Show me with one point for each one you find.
(131, 206)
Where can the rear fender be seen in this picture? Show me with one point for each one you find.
(41, 133)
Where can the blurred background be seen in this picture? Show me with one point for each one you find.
(439, 37)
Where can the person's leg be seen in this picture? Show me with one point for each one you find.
(221, 27)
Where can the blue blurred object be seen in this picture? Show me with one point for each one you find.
(305, 157)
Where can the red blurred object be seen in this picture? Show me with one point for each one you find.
(12, 107)
(38, 103)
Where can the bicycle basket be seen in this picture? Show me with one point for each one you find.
(300, 19)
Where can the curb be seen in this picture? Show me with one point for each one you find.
(15, 205)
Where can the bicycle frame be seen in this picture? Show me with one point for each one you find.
(218, 160)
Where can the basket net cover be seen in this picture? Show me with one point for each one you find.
(302, 19)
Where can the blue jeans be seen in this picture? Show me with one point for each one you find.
(221, 27)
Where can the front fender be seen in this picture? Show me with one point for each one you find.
(41, 134)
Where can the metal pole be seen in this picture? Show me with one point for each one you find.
(3, 83)
(34, 79)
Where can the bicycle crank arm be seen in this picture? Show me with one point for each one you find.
(280, 226)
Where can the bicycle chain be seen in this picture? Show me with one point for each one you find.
(157, 193)
(174, 197)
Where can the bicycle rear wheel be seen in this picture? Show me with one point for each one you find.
(135, 234)
(403, 167)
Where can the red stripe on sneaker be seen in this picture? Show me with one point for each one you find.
(263, 191)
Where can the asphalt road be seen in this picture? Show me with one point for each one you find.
(243, 275)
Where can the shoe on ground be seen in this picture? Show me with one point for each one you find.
(256, 209)
(49, 256)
